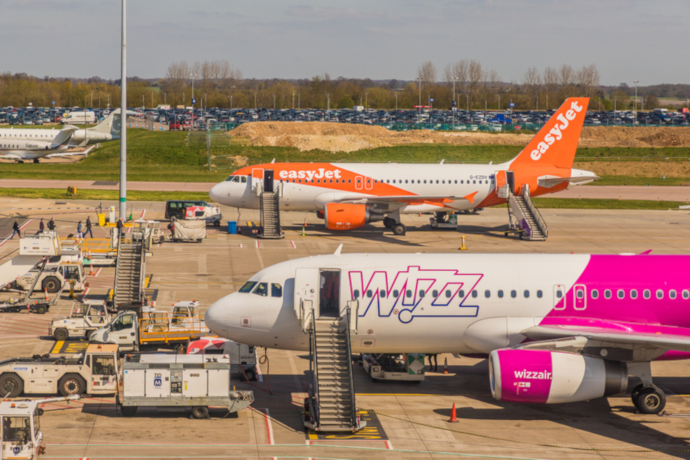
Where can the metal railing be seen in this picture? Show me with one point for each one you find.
(534, 211)
(313, 365)
(350, 371)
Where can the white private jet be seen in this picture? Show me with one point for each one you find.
(32, 144)
(556, 327)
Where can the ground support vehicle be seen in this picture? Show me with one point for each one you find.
(189, 230)
(153, 329)
(25, 301)
(93, 372)
(209, 214)
(408, 367)
(20, 428)
(242, 356)
(179, 209)
(444, 220)
(167, 380)
(84, 318)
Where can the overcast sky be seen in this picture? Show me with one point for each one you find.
(628, 40)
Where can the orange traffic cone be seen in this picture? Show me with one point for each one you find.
(445, 366)
(453, 416)
(47, 298)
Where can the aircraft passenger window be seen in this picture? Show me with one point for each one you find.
(607, 293)
(672, 294)
(461, 294)
(686, 294)
(500, 293)
(356, 293)
(559, 294)
(437, 181)
(456, 181)
(646, 294)
(408, 293)
(595, 294)
(349, 181)
(261, 289)
(300, 181)
(526, 293)
(421, 293)
(370, 294)
(579, 294)
(513, 294)
(406, 181)
(248, 286)
(396, 293)
(388, 181)
(382, 294)
(633, 294)
(276, 290)
(540, 294)
(418, 181)
(434, 294)
(620, 294)
(425, 181)
(487, 293)
(443, 182)
(474, 294)
(318, 181)
(448, 294)
(659, 294)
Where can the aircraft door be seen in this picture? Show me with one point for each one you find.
(559, 300)
(329, 293)
(268, 180)
(579, 297)
(257, 179)
(358, 183)
(306, 294)
(501, 184)
(510, 178)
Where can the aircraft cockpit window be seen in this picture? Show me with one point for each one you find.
(248, 286)
(261, 289)
(243, 179)
(276, 290)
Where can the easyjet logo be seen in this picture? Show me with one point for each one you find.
(320, 173)
(556, 133)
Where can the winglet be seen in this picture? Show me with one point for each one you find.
(273, 161)
(647, 252)
(470, 197)
(338, 251)
(442, 161)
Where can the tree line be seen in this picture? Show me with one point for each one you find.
(218, 83)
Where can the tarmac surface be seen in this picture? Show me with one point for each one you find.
(614, 192)
(410, 420)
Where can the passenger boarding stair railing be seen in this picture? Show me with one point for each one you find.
(270, 214)
(130, 270)
(525, 217)
(331, 404)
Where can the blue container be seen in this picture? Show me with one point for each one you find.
(232, 227)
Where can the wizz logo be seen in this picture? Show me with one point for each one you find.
(414, 293)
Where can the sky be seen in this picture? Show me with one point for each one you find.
(628, 40)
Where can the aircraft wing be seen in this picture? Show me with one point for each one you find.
(63, 136)
(654, 342)
(71, 154)
(409, 199)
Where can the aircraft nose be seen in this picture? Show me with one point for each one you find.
(218, 193)
(217, 317)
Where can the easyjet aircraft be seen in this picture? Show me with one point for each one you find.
(350, 195)
(556, 328)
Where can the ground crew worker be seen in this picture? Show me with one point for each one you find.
(120, 226)
(41, 226)
(88, 227)
(15, 229)
(51, 224)
(79, 234)
(433, 366)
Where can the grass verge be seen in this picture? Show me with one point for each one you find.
(59, 194)
(568, 203)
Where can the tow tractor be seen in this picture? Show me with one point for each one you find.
(408, 367)
(20, 428)
(449, 220)
(25, 300)
(85, 317)
(93, 372)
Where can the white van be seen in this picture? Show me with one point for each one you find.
(79, 118)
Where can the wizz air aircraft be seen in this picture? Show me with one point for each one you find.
(351, 195)
(32, 144)
(556, 328)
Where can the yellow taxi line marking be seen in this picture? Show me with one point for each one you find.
(58, 346)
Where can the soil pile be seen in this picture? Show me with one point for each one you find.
(342, 137)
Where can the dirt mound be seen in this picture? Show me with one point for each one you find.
(342, 137)
(636, 168)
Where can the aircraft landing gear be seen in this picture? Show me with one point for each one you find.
(388, 222)
(35, 160)
(399, 229)
(648, 399)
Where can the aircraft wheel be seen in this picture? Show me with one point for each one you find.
(651, 400)
(636, 392)
(35, 160)
(399, 229)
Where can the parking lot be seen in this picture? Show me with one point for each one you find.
(410, 420)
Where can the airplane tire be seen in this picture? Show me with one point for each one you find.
(651, 400)
(388, 222)
(399, 229)
(11, 385)
(61, 334)
(35, 160)
(636, 392)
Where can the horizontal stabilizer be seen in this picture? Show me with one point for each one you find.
(550, 181)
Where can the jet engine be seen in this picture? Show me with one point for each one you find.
(342, 216)
(548, 377)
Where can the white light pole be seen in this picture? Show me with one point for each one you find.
(635, 104)
(123, 115)
(420, 94)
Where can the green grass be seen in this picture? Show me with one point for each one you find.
(642, 180)
(566, 203)
(60, 194)
(165, 156)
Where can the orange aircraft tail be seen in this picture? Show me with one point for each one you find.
(556, 142)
